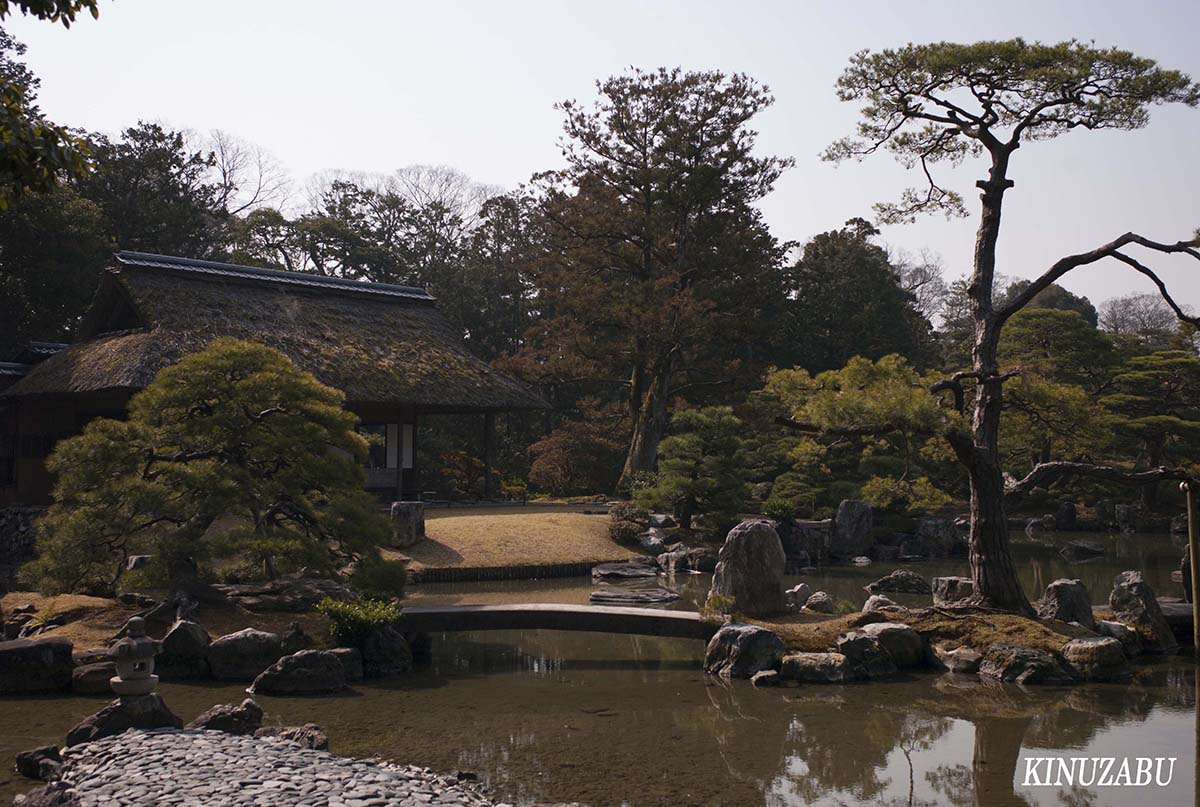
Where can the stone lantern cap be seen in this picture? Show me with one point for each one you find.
(136, 644)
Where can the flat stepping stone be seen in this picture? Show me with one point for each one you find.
(632, 596)
(635, 569)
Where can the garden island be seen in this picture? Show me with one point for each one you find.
(597, 491)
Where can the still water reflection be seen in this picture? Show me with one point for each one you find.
(620, 720)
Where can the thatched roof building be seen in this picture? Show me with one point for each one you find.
(387, 347)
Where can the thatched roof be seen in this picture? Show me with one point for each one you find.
(377, 343)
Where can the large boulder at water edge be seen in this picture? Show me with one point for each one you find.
(817, 668)
(1133, 604)
(243, 718)
(385, 652)
(1068, 601)
(1097, 658)
(29, 763)
(899, 581)
(308, 672)
(956, 659)
(310, 735)
(740, 651)
(865, 655)
(35, 666)
(144, 712)
(92, 679)
(951, 590)
(750, 569)
(184, 652)
(243, 655)
(853, 529)
(903, 644)
(1018, 664)
(1129, 640)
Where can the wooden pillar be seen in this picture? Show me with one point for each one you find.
(489, 454)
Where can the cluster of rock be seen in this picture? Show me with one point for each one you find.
(209, 767)
(275, 663)
(880, 644)
(289, 593)
(853, 535)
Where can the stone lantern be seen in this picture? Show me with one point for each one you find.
(134, 659)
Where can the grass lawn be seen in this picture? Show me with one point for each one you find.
(512, 537)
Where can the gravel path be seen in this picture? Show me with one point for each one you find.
(212, 769)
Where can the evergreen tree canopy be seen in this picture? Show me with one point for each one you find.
(234, 430)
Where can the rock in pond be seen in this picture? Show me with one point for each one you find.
(385, 652)
(29, 763)
(632, 596)
(352, 663)
(92, 679)
(243, 655)
(244, 718)
(184, 653)
(310, 735)
(899, 581)
(903, 644)
(1133, 604)
(307, 672)
(1068, 601)
(1081, 549)
(27, 665)
(961, 659)
(865, 655)
(143, 712)
(685, 559)
(651, 542)
(878, 602)
(1128, 639)
(1018, 664)
(55, 794)
(1066, 515)
(1097, 658)
(766, 678)
(817, 668)
(819, 602)
(853, 529)
(740, 651)
(633, 569)
(797, 596)
(750, 569)
(948, 591)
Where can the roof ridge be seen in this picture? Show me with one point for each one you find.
(152, 260)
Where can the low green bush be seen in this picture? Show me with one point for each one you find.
(352, 621)
(625, 532)
(628, 511)
(378, 578)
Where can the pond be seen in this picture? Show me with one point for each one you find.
(621, 720)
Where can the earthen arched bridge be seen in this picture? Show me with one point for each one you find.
(549, 616)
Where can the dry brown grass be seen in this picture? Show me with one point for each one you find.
(977, 629)
(513, 538)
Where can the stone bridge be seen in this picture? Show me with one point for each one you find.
(548, 616)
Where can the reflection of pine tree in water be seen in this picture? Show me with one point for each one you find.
(994, 765)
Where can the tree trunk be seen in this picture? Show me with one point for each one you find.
(649, 424)
(992, 569)
(997, 584)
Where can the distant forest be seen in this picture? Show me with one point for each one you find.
(635, 283)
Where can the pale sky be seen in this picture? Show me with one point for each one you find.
(373, 86)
